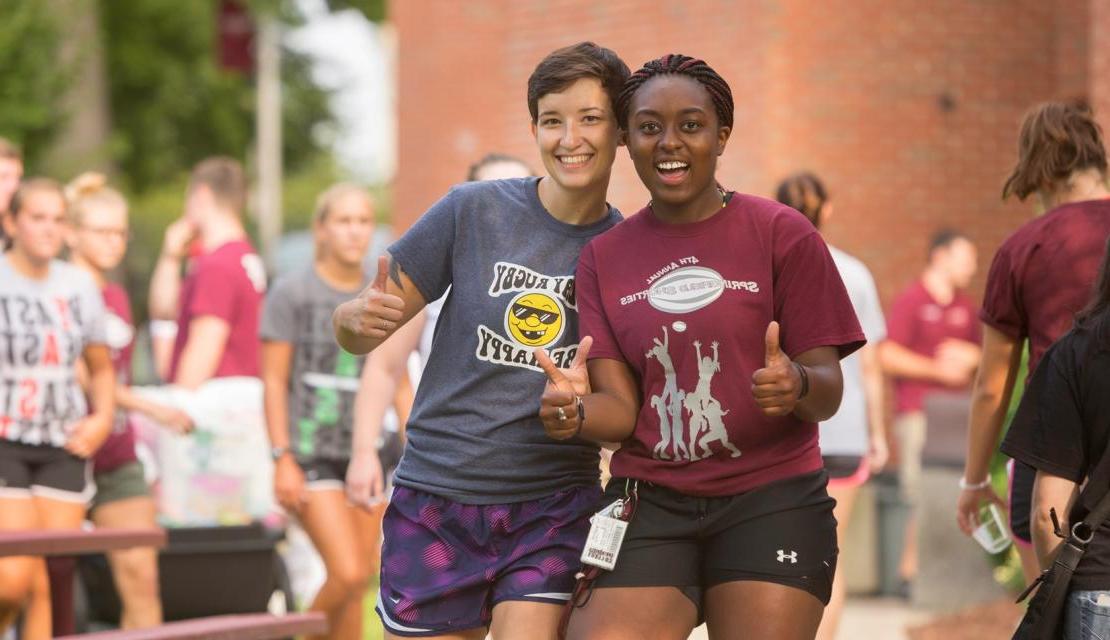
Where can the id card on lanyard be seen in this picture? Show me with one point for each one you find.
(607, 529)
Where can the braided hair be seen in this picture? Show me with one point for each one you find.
(678, 64)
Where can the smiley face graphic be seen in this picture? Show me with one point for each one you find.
(535, 319)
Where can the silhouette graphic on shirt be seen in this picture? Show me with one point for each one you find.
(705, 426)
(668, 404)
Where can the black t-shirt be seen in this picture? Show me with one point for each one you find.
(1063, 428)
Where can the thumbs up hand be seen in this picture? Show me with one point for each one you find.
(559, 404)
(777, 386)
(375, 313)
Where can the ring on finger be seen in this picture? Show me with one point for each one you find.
(562, 415)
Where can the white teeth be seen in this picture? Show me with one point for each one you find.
(573, 159)
(672, 165)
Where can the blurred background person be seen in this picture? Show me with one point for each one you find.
(309, 398)
(1039, 279)
(11, 171)
(853, 442)
(217, 304)
(98, 241)
(386, 375)
(52, 317)
(932, 345)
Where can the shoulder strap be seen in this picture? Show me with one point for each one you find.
(1098, 515)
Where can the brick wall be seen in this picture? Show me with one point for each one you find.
(909, 110)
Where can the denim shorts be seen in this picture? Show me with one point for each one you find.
(1087, 616)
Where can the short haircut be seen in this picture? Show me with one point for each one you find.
(492, 158)
(9, 151)
(563, 67)
(1056, 140)
(224, 177)
(943, 238)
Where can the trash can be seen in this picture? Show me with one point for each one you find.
(893, 513)
(203, 571)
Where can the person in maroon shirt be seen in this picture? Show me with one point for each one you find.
(97, 242)
(717, 320)
(1039, 279)
(932, 345)
(217, 305)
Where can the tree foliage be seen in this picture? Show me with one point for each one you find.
(172, 104)
(32, 81)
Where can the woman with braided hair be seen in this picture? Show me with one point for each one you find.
(718, 322)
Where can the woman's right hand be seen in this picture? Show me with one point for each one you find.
(289, 484)
(969, 503)
(558, 405)
(365, 480)
(374, 313)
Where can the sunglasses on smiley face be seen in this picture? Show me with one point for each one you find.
(523, 312)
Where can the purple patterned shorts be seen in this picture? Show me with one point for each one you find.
(446, 564)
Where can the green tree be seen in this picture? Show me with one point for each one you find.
(32, 82)
(172, 104)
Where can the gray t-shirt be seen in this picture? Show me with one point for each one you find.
(45, 326)
(846, 433)
(324, 379)
(474, 435)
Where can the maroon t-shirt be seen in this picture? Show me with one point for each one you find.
(919, 323)
(687, 308)
(1043, 274)
(227, 283)
(119, 448)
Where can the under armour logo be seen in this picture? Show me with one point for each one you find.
(792, 557)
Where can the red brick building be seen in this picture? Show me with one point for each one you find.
(908, 110)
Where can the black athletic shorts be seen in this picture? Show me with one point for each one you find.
(43, 471)
(840, 467)
(783, 532)
(331, 473)
(1021, 501)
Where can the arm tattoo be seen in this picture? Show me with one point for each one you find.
(395, 273)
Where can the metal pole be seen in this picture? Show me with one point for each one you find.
(269, 137)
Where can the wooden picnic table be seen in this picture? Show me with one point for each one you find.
(248, 626)
(70, 542)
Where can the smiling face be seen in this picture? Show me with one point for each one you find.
(674, 139)
(535, 319)
(577, 134)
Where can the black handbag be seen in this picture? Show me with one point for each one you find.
(1045, 616)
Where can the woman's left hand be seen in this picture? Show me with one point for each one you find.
(879, 454)
(88, 434)
(777, 386)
